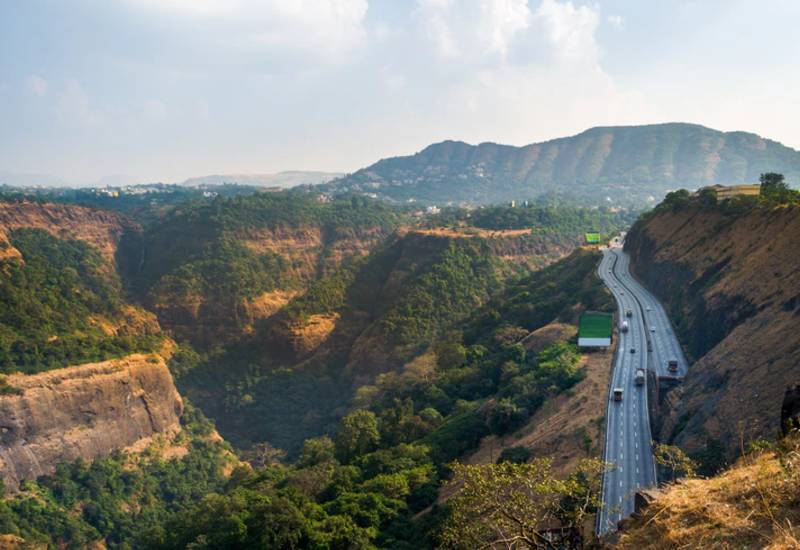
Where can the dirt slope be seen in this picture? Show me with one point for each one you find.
(568, 427)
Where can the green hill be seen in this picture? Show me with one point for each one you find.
(626, 164)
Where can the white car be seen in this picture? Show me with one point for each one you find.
(648, 308)
(652, 329)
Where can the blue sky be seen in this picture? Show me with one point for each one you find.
(161, 90)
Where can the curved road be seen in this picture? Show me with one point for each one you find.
(628, 438)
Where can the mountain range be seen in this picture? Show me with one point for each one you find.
(611, 164)
(286, 179)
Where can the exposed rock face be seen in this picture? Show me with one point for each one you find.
(310, 252)
(86, 411)
(731, 284)
(99, 228)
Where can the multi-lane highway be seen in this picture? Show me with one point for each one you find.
(648, 344)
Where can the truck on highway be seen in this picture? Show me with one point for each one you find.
(672, 365)
(617, 394)
(624, 326)
(628, 313)
(639, 377)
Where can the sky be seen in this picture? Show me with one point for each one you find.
(161, 90)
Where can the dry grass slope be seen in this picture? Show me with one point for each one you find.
(754, 504)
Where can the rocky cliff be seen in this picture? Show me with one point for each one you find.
(730, 281)
(211, 316)
(85, 411)
(100, 228)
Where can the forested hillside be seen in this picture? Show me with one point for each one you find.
(349, 350)
(210, 271)
(384, 461)
(616, 165)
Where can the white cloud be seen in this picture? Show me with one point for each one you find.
(326, 28)
(616, 21)
(502, 69)
(72, 106)
(570, 29)
(474, 28)
(36, 85)
(155, 109)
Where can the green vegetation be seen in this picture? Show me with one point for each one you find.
(444, 281)
(562, 219)
(145, 203)
(122, 499)
(52, 304)
(199, 253)
(455, 284)
(595, 325)
(774, 188)
(522, 506)
(620, 165)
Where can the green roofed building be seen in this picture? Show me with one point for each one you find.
(594, 330)
(592, 237)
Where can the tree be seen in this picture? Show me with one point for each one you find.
(517, 455)
(264, 454)
(315, 451)
(509, 505)
(707, 196)
(676, 199)
(674, 459)
(358, 435)
(773, 186)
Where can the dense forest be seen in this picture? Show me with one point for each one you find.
(338, 441)
(365, 483)
(56, 300)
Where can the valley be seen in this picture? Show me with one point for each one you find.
(346, 358)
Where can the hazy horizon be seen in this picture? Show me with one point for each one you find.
(173, 89)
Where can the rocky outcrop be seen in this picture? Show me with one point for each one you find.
(85, 411)
(731, 284)
(99, 228)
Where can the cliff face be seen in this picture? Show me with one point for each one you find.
(99, 228)
(85, 411)
(306, 253)
(731, 284)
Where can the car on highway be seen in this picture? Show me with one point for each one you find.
(617, 394)
(652, 329)
(648, 308)
(633, 350)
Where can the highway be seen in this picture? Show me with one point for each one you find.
(628, 439)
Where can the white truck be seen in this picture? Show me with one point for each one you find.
(624, 326)
(617, 394)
